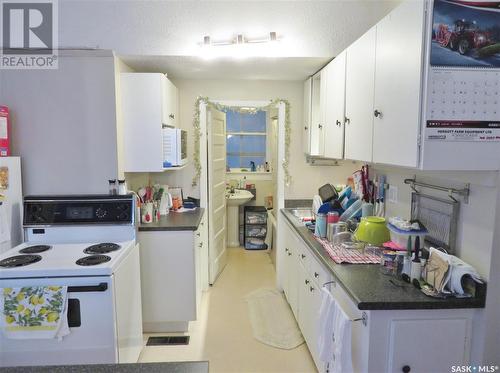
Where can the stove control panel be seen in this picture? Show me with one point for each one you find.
(80, 210)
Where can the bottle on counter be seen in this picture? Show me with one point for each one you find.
(112, 187)
(122, 187)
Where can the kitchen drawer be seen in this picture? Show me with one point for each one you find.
(317, 271)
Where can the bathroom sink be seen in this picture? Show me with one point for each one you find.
(239, 197)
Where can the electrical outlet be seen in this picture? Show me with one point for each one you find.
(392, 194)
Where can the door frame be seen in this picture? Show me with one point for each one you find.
(203, 184)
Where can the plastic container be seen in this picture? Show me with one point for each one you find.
(352, 211)
(388, 263)
(320, 230)
(332, 217)
(400, 237)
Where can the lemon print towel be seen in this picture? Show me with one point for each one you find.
(37, 312)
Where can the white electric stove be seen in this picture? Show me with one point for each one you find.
(86, 243)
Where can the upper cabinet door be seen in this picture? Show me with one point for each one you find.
(317, 117)
(334, 106)
(306, 132)
(169, 103)
(360, 86)
(398, 75)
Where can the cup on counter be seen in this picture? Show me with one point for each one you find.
(332, 217)
(334, 228)
(147, 212)
(320, 229)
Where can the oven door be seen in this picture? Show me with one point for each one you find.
(91, 317)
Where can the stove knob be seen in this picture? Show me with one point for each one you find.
(100, 213)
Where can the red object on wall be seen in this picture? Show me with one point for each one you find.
(4, 131)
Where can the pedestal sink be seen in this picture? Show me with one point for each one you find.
(233, 202)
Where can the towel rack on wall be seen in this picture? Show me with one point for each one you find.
(464, 192)
(364, 316)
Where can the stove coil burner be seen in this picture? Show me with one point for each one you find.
(35, 249)
(19, 261)
(93, 260)
(102, 248)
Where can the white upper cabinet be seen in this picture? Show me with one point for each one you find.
(169, 103)
(318, 92)
(333, 129)
(398, 72)
(149, 102)
(359, 89)
(306, 132)
(324, 102)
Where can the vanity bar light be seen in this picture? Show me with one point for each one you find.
(239, 40)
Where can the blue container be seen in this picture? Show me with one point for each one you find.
(320, 230)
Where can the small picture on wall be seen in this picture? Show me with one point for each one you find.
(466, 34)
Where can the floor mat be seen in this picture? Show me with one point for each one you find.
(272, 319)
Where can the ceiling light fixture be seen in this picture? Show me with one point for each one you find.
(239, 40)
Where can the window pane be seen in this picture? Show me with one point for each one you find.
(253, 144)
(245, 161)
(233, 123)
(233, 161)
(253, 122)
(233, 143)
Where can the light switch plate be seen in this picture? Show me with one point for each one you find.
(392, 194)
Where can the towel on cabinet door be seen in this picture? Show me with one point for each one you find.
(342, 339)
(38, 312)
(326, 325)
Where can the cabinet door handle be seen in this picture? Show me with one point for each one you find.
(311, 289)
(347, 120)
(171, 116)
(198, 234)
(320, 126)
(286, 249)
(316, 274)
(306, 282)
(305, 128)
(378, 114)
(200, 245)
(289, 254)
(406, 369)
(337, 122)
(302, 256)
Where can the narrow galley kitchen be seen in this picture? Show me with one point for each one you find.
(255, 187)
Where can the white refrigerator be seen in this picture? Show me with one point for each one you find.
(11, 209)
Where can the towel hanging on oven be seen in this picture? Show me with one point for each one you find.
(37, 312)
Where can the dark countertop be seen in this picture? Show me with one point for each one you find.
(170, 367)
(370, 289)
(176, 221)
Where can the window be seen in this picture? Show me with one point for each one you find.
(246, 139)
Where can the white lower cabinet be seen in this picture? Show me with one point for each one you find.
(390, 340)
(172, 278)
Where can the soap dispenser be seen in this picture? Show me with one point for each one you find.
(252, 166)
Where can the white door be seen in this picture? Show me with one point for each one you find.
(398, 71)
(360, 86)
(306, 133)
(334, 108)
(216, 129)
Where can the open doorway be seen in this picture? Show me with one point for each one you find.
(249, 148)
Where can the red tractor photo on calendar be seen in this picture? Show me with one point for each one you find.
(463, 36)
(465, 33)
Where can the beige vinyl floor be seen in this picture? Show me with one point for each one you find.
(223, 334)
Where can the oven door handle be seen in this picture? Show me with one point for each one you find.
(103, 286)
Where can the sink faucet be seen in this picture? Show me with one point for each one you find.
(231, 190)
